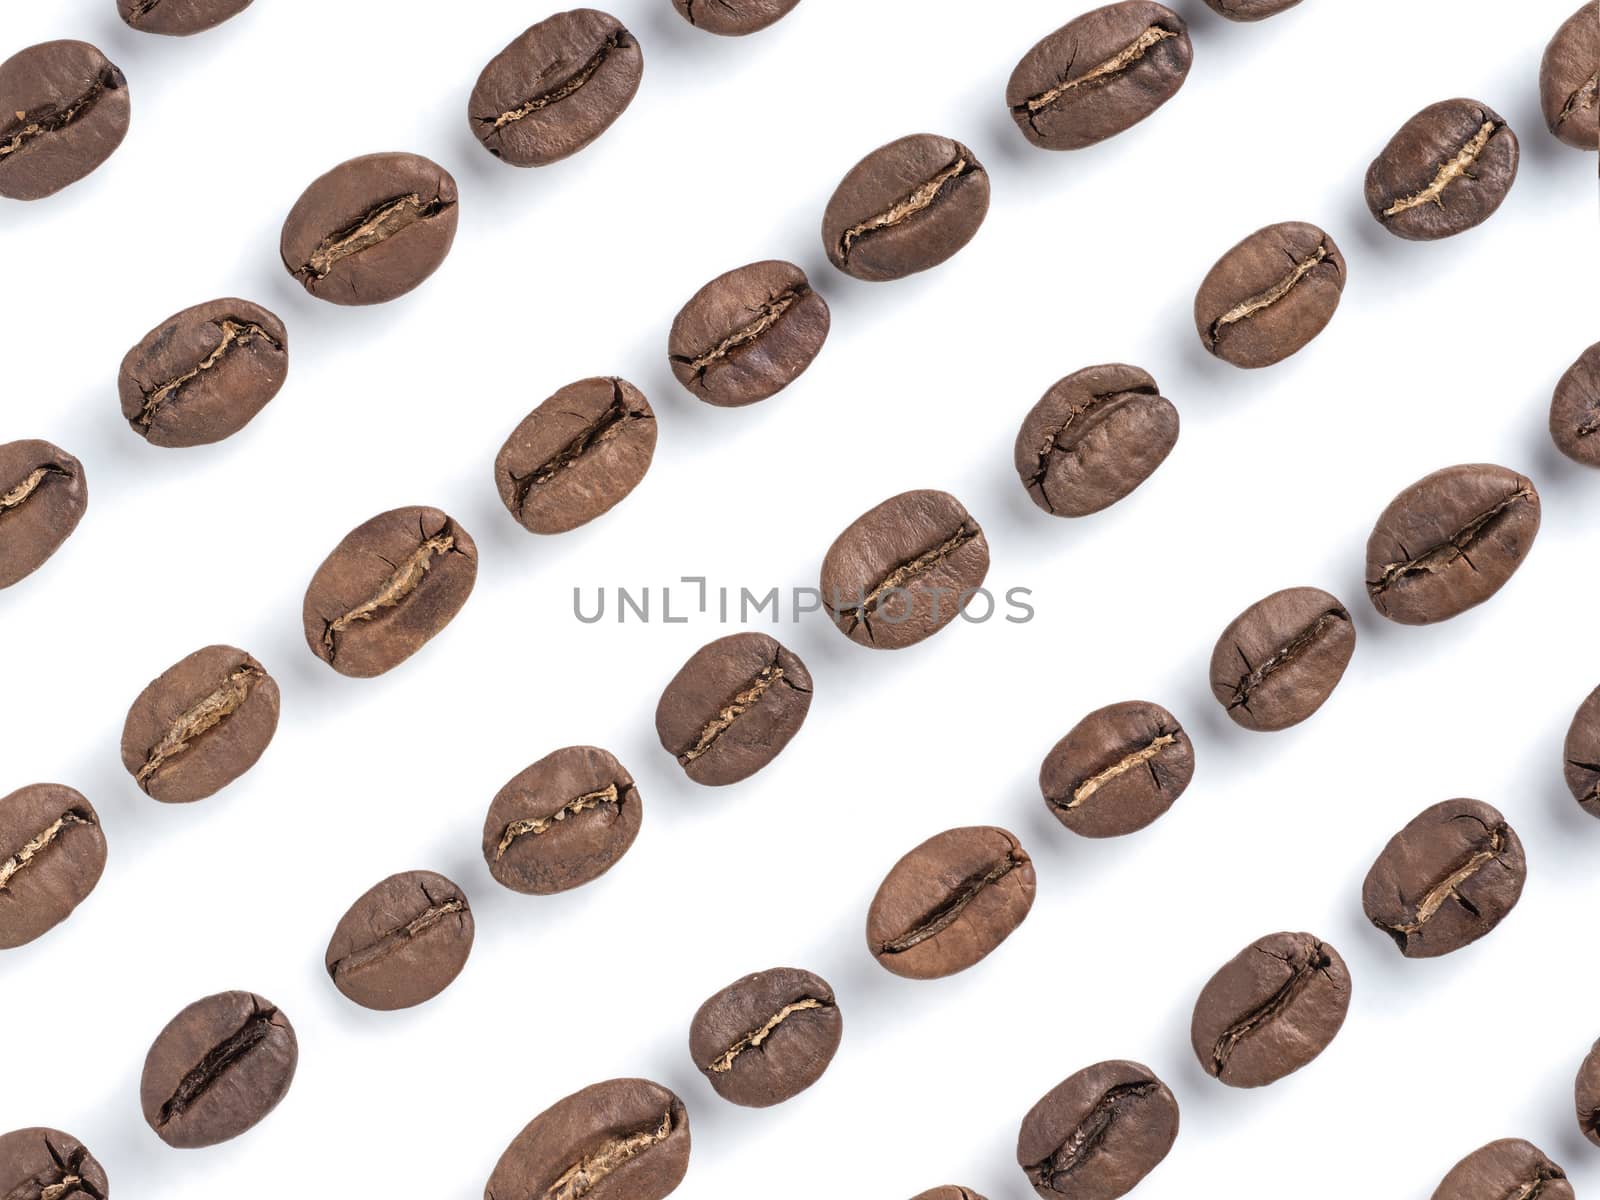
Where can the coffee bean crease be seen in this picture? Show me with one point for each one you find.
(935, 922)
(1442, 892)
(595, 433)
(1052, 443)
(199, 718)
(218, 1061)
(1248, 308)
(1442, 555)
(611, 795)
(14, 138)
(19, 495)
(1119, 63)
(405, 580)
(39, 843)
(920, 199)
(583, 1176)
(1300, 976)
(768, 677)
(65, 1177)
(905, 573)
(235, 334)
(766, 317)
(390, 940)
(1458, 167)
(1581, 100)
(378, 225)
(1085, 1141)
(1295, 648)
(566, 87)
(1138, 758)
(723, 1063)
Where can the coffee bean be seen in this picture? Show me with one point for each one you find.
(1117, 770)
(179, 18)
(905, 207)
(1446, 170)
(52, 851)
(948, 1192)
(1097, 1133)
(1270, 295)
(577, 455)
(625, 1139)
(1449, 542)
(202, 374)
(733, 18)
(748, 334)
(950, 902)
(1581, 755)
(1569, 79)
(217, 1069)
(903, 570)
(63, 112)
(1094, 437)
(1446, 879)
(200, 724)
(1250, 10)
(1510, 1167)
(371, 229)
(1099, 74)
(1586, 1095)
(1575, 409)
(46, 1164)
(556, 88)
(565, 820)
(732, 708)
(42, 498)
(1281, 658)
(392, 584)
(1270, 1010)
(403, 942)
(768, 1037)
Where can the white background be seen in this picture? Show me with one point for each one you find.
(1441, 353)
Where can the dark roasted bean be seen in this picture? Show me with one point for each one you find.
(733, 18)
(179, 18)
(1569, 79)
(404, 941)
(1446, 170)
(1270, 295)
(42, 498)
(63, 112)
(1581, 754)
(1250, 10)
(46, 1164)
(1098, 1132)
(767, 1037)
(1281, 658)
(1575, 409)
(1510, 1169)
(52, 852)
(1117, 770)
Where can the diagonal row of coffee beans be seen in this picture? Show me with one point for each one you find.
(376, 227)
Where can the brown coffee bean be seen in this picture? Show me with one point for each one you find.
(949, 903)
(732, 708)
(625, 1139)
(949, 1191)
(565, 820)
(748, 334)
(1281, 658)
(371, 229)
(905, 207)
(179, 18)
(1446, 879)
(1575, 409)
(556, 88)
(391, 585)
(1270, 1010)
(1099, 74)
(202, 374)
(52, 852)
(1250, 10)
(403, 942)
(46, 1164)
(1117, 770)
(217, 1069)
(1270, 295)
(902, 571)
(1581, 755)
(733, 18)
(1586, 1094)
(1510, 1167)
(1097, 1133)
(42, 498)
(1449, 542)
(576, 456)
(1094, 437)
(767, 1037)
(1569, 79)
(63, 112)
(1446, 170)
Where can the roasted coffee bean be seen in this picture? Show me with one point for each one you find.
(768, 1037)
(1569, 79)
(1446, 879)
(1270, 1010)
(371, 229)
(949, 1191)
(748, 334)
(1510, 1168)
(903, 570)
(390, 586)
(732, 708)
(403, 942)
(1250, 10)
(200, 724)
(577, 455)
(733, 18)
(1586, 1094)
(625, 1139)
(1575, 409)
(1099, 74)
(179, 18)
(52, 851)
(46, 1164)
(202, 374)
(1447, 170)
(1117, 770)
(905, 207)
(42, 498)
(63, 112)
(1281, 658)
(1449, 542)
(1094, 437)
(1270, 295)
(1581, 754)
(217, 1069)
(565, 820)
(947, 904)
(1097, 1133)
(556, 88)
